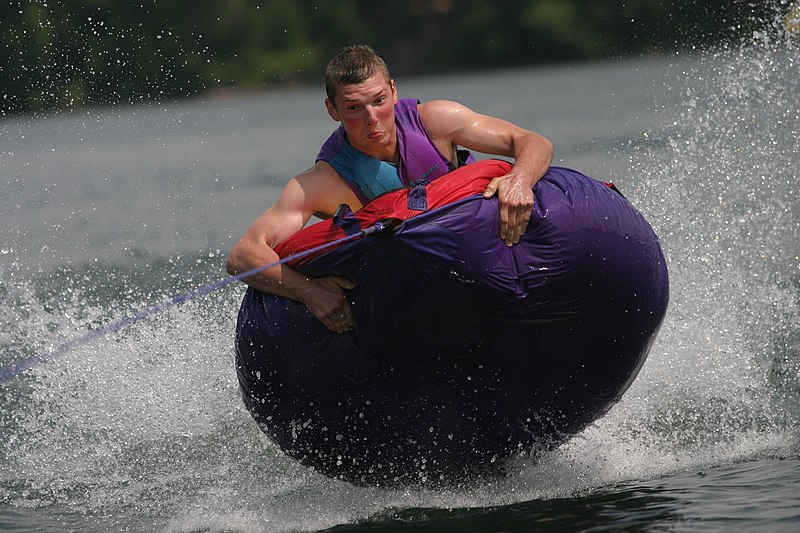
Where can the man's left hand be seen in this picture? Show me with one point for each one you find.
(515, 193)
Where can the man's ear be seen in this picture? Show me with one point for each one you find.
(332, 110)
(394, 91)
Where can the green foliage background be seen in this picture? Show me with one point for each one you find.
(57, 54)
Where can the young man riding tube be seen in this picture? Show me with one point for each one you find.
(383, 143)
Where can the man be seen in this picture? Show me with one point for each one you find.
(381, 145)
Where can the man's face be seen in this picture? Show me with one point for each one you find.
(366, 110)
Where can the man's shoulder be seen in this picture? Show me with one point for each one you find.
(439, 106)
(441, 116)
(320, 175)
(323, 189)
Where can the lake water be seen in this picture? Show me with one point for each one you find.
(105, 212)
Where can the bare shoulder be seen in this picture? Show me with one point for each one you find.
(443, 117)
(321, 190)
(442, 109)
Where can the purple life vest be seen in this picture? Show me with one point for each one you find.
(420, 160)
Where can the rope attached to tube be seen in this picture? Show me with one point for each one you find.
(11, 371)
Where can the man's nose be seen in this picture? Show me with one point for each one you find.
(372, 115)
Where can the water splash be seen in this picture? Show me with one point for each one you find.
(12, 370)
(722, 383)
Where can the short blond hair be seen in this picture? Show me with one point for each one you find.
(354, 64)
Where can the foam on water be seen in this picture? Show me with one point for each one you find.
(145, 426)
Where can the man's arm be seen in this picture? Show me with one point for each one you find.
(315, 190)
(450, 124)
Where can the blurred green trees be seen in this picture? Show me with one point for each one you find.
(69, 53)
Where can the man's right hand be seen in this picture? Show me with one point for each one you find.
(327, 300)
